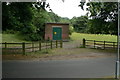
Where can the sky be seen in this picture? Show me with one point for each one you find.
(68, 8)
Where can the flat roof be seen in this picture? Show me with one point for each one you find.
(58, 23)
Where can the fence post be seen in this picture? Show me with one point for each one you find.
(61, 44)
(39, 45)
(56, 44)
(46, 44)
(32, 46)
(84, 42)
(104, 44)
(23, 48)
(114, 45)
(94, 43)
(5, 45)
(51, 44)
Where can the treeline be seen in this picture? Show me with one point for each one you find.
(28, 19)
(102, 18)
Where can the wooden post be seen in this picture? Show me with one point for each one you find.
(94, 43)
(23, 48)
(39, 45)
(46, 44)
(61, 44)
(51, 44)
(56, 44)
(5, 45)
(114, 45)
(33, 46)
(84, 43)
(104, 44)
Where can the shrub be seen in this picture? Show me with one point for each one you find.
(9, 32)
(71, 30)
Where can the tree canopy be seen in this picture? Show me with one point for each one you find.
(103, 17)
(28, 18)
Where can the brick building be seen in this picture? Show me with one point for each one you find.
(57, 31)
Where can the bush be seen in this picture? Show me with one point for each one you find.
(71, 30)
(32, 37)
(10, 32)
(29, 33)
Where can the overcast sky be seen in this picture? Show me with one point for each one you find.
(68, 8)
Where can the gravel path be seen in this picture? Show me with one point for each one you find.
(72, 44)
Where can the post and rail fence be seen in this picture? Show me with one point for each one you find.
(30, 47)
(99, 44)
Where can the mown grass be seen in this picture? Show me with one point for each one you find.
(98, 37)
(12, 38)
(75, 36)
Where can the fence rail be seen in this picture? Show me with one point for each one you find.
(30, 47)
(99, 44)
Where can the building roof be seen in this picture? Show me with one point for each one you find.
(59, 23)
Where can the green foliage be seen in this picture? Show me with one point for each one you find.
(65, 20)
(103, 17)
(16, 15)
(9, 32)
(28, 19)
(79, 23)
(54, 17)
(71, 30)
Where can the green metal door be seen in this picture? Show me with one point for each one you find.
(57, 33)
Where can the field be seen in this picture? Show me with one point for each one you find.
(99, 37)
(74, 37)
(12, 38)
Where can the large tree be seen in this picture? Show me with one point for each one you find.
(79, 23)
(27, 18)
(16, 15)
(103, 16)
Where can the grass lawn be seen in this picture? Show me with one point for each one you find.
(74, 36)
(12, 38)
(101, 37)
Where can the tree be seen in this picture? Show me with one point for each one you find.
(103, 16)
(16, 15)
(28, 18)
(79, 23)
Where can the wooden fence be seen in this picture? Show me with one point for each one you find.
(99, 44)
(29, 47)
